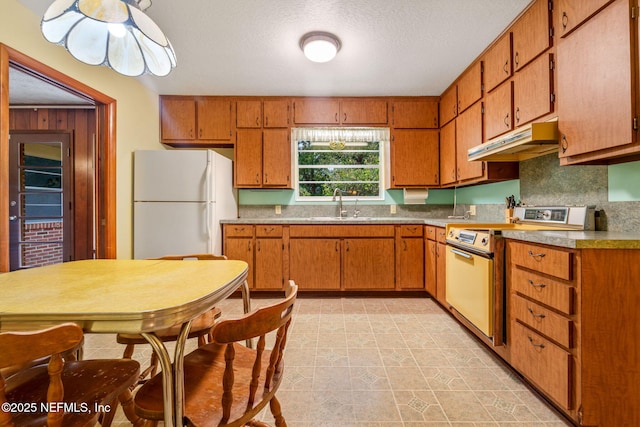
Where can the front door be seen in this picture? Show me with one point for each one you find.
(40, 202)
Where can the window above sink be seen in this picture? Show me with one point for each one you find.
(351, 159)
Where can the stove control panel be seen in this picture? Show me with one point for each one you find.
(473, 239)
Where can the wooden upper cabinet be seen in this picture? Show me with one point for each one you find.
(199, 120)
(570, 13)
(414, 158)
(531, 33)
(316, 111)
(415, 114)
(470, 87)
(276, 158)
(249, 114)
(498, 111)
(337, 111)
(276, 113)
(214, 119)
(448, 153)
(449, 105)
(363, 111)
(177, 118)
(533, 90)
(248, 158)
(468, 135)
(596, 84)
(497, 63)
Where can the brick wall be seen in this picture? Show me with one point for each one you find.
(43, 253)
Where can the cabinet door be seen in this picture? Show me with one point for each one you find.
(268, 264)
(315, 263)
(448, 153)
(316, 111)
(414, 158)
(248, 158)
(276, 113)
(276, 158)
(363, 111)
(532, 91)
(470, 87)
(469, 134)
(177, 118)
(430, 267)
(368, 264)
(249, 114)
(449, 105)
(531, 34)
(497, 111)
(415, 114)
(214, 119)
(241, 249)
(595, 78)
(497, 63)
(410, 263)
(570, 13)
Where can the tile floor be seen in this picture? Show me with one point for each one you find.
(384, 362)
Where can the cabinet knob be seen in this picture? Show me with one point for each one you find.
(516, 59)
(344, 118)
(517, 115)
(506, 67)
(258, 121)
(533, 343)
(564, 144)
(506, 121)
(336, 117)
(565, 20)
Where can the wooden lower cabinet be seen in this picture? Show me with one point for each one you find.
(315, 263)
(368, 264)
(435, 256)
(241, 249)
(573, 328)
(269, 257)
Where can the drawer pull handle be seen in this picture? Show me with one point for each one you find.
(534, 314)
(537, 285)
(534, 344)
(531, 254)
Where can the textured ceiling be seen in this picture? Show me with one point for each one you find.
(389, 47)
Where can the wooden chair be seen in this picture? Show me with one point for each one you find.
(200, 326)
(227, 384)
(85, 388)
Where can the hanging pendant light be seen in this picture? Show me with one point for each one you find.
(112, 33)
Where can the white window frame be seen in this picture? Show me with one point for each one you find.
(346, 135)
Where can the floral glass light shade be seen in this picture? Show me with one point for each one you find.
(319, 46)
(112, 33)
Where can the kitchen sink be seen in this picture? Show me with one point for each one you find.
(337, 218)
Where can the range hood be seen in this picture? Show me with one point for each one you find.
(527, 142)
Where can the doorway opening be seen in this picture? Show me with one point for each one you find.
(88, 230)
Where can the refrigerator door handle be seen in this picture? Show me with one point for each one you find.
(208, 172)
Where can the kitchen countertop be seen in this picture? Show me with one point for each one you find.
(574, 239)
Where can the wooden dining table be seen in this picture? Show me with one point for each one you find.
(122, 296)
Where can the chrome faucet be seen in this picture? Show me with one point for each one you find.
(338, 192)
(356, 211)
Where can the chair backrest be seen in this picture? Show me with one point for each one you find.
(258, 323)
(20, 348)
(204, 257)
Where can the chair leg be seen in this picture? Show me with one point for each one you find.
(126, 400)
(274, 405)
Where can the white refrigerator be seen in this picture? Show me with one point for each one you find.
(179, 198)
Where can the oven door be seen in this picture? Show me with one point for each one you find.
(470, 287)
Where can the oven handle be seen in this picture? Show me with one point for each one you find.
(462, 254)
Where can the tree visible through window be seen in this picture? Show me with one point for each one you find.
(349, 159)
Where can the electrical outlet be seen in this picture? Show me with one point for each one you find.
(278, 210)
(472, 210)
(393, 209)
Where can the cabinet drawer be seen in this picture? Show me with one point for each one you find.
(410, 230)
(543, 289)
(240, 230)
(441, 235)
(543, 259)
(338, 231)
(544, 363)
(430, 232)
(268, 231)
(545, 321)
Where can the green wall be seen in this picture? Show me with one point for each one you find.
(624, 182)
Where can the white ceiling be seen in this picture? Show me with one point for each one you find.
(389, 47)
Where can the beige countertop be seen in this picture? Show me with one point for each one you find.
(567, 239)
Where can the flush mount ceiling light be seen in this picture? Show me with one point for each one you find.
(112, 33)
(320, 46)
